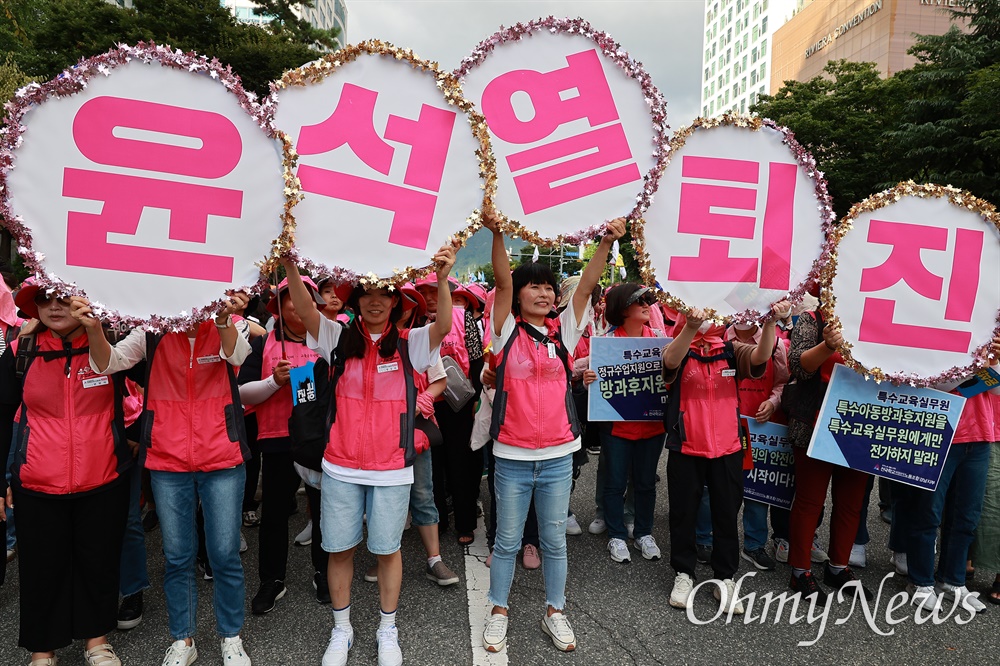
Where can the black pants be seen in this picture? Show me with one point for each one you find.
(320, 557)
(686, 477)
(280, 481)
(250, 502)
(457, 469)
(69, 554)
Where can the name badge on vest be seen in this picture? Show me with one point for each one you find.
(203, 360)
(95, 381)
(729, 372)
(552, 350)
(388, 367)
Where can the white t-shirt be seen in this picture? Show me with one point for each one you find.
(571, 333)
(422, 357)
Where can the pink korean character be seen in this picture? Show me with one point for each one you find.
(603, 153)
(126, 196)
(905, 263)
(714, 263)
(352, 123)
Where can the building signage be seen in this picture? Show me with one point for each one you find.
(855, 20)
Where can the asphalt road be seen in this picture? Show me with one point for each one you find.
(619, 612)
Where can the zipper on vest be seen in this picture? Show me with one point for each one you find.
(69, 412)
(190, 396)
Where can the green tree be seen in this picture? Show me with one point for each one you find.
(842, 118)
(287, 24)
(947, 133)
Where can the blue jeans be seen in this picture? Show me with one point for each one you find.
(754, 525)
(516, 481)
(221, 495)
(422, 506)
(133, 576)
(956, 504)
(703, 525)
(602, 476)
(9, 525)
(636, 459)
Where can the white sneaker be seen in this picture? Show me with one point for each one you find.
(100, 655)
(305, 537)
(341, 640)
(233, 653)
(630, 528)
(243, 544)
(781, 550)
(572, 526)
(680, 596)
(597, 526)
(619, 551)
(959, 596)
(726, 594)
(495, 633)
(389, 653)
(558, 629)
(817, 554)
(859, 556)
(180, 654)
(650, 550)
(922, 597)
(898, 560)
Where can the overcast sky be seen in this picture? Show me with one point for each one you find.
(664, 35)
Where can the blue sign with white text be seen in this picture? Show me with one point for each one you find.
(629, 384)
(772, 479)
(900, 433)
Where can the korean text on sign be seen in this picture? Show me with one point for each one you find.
(549, 172)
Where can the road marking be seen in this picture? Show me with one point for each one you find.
(477, 581)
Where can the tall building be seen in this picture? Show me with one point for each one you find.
(738, 36)
(879, 31)
(325, 14)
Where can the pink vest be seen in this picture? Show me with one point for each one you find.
(978, 421)
(273, 413)
(193, 420)
(453, 344)
(533, 407)
(995, 400)
(70, 441)
(709, 408)
(636, 430)
(374, 425)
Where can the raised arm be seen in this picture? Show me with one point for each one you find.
(305, 305)
(675, 352)
(100, 348)
(504, 295)
(234, 302)
(595, 267)
(763, 350)
(445, 259)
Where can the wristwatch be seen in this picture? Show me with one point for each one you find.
(228, 324)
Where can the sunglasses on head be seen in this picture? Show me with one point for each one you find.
(643, 296)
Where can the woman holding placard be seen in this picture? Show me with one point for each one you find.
(703, 435)
(535, 429)
(368, 462)
(69, 481)
(811, 358)
(632, 448)
(194, 443)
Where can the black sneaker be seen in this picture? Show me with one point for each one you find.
(322, 588)
(704, 554)
(805, 583)
(130, 612)
(150, 521)
(759, 558)
(205, 569)
(837, 581)
(269, 592)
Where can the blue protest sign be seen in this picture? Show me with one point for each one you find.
(981, 382)
(629, 384)
(897, 432)
(303, 383)
(772, 479)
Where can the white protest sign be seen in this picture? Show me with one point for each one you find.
(915, 280)
(137, 178)
(739, 218)
(388, 163)
(576, 125)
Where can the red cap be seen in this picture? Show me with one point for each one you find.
(272, 305)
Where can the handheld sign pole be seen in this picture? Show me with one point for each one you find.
(281, 320)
